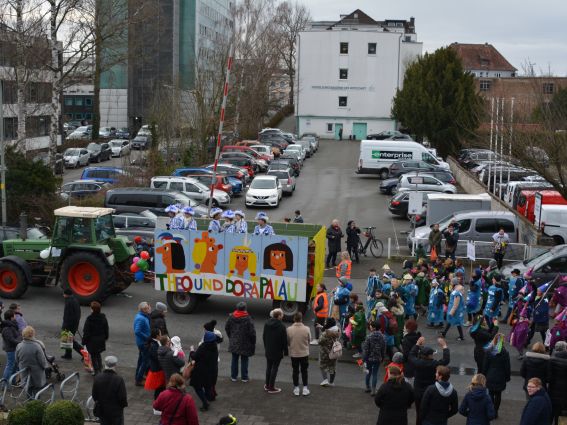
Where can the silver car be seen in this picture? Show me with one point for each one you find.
(286, 178)
(76, 157)
(424, 182)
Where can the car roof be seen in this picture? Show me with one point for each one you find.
(265, 177)
(85, 181)
(103, 168)
(83, 212)
(182, 178)
(485, 214)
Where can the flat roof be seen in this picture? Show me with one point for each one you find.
(83, 212)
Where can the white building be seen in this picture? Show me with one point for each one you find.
(348, 72)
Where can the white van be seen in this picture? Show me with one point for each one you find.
(554, 222)
(515, 187)
(376, 156)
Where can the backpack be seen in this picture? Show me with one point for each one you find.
(391, 324)
(336, 350)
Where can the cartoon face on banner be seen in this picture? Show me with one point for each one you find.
(231, 264)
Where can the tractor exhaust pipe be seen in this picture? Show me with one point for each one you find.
(23, 226)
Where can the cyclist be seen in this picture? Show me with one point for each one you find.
(353, 240)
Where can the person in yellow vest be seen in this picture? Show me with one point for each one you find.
(321, 310)
(345, 266)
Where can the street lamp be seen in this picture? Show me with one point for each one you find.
(2, 156)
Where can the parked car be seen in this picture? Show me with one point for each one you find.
(227, 184)
(307, 146)
(424, 182)
(107, 132)
(293, 162)
(43, 157)
(399, 203)
(264, 150)
(545, 265)
(285, 178)
(276, 144)
(99, 152)
(470, 158)
(123, 133)
(82, 188)
(103, 174)
(231, 171)
(264, 191)
(402, 167)
(296, 152)
(388, 186)
(119, 147)
(262, 158)
(444, 175)
(256, 164)
(192, 188)
(385, 135)
(141, 142)
(76, 157)
(243, 163)
(81, 133)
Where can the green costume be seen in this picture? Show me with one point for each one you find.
(358, 328)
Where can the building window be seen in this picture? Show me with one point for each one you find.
(342, 101)
(10, 128)
(371, 48)
(343, 74)
(548, 88)
(79, 101)
(78, 116)
(88, 101)
(329, 127)
(344, 48)
(88, 116)
(485, 85)
(498, 75)
(68, 101)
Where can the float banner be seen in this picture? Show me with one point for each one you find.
(231, 264)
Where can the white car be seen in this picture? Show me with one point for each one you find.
(191, 187)
(76, 157)
(119, 147)
(424, 182)
(263, 150)
(297, 148)
(264, 191)
(81, 133)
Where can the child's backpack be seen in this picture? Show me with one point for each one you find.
(336, 350)
(392, 323)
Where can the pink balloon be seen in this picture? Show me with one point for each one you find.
(135, 260)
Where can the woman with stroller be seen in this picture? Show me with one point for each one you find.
(30, 355)
(95, 335)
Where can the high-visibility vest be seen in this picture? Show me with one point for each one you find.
(324, 312)
(349, 267)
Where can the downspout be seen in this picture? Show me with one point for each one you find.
(297, 86)
(398, 82)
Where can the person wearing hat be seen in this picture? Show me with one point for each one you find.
(515, 283)
(455, 309)
(435, 305)
(263, 228)
(387, 273)
(205, 369)
(411, 291)
(373, 353)
(228, 225)
(71, 319)
(176, 222)
(109, 394)
(494, 300)
(241, 341)
(188, 218)
(214, 224)
(423, 288)
(540, 315)
(496, 368)
(373, 285)
(474, 296)
(157, 318)
(240, 225)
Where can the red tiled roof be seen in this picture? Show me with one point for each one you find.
(482, 56)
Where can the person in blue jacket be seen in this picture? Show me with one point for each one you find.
(477, 406)
(494, 300)
(240, 225)
(176, 222)
(538, 410)
(540, 314)
(341, 298)
(474, 297)
(455, 309)
(214, 224)
(263, 228)
(411, 291)
(515, 283)
(142, 333)
(435, 307)
(373, 285)
(189, 220)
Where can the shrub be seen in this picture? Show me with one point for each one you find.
(36, 410)
(63, 412)
(19, 416)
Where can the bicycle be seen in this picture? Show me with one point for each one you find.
(376, 246)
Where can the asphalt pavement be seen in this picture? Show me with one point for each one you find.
(327, 188)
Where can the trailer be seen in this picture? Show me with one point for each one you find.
(442, 205)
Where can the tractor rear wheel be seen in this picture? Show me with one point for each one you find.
(12, 281)
(88, 276)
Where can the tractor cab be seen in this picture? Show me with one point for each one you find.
(82, 225)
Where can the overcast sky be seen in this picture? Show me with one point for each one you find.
(523, 31)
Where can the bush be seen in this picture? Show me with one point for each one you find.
(36, 410)
(63, 412)
(19, 416)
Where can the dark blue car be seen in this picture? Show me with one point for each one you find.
(103, 174)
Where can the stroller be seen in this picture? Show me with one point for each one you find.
(53, 369)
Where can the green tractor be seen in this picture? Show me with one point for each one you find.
(84, 255)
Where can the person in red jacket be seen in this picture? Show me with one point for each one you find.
(176, 407)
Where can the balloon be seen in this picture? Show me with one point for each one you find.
(135, 260)
(134, 268)
(139, 276)
(145, 255)
(143, 265)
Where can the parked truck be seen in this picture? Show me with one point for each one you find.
(442, 205)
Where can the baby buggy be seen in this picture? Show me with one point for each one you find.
(53, 369)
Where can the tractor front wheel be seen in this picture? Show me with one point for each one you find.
(12, 281)
(88, 276)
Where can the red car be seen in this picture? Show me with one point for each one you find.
(221, 182)
(247, 150)
(241, 163)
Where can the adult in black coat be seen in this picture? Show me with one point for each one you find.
(241, 340)
(440, 400)
(109, 394)
(353, 239)
(71, 320)
(556, 379)
(394, 398)
(425, 368)
(496, 368)
(205, 369)
(157, 318)
(95, 335)
(535, 365)
(408, 342)
(481, 336)
(169, 363)
(538, 410)
(11, 337)
(334, 235)
(477, 405)
(275, 347)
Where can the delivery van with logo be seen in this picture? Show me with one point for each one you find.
(376, 156)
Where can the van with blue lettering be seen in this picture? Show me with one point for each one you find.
(376, 156)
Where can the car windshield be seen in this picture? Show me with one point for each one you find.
(263, 184)
(72, 152)
(545, 255)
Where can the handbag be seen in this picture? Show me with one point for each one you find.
(433, 254)
(336, 350)
(66, 340)
(187, 369)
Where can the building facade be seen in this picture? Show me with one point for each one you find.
(78, 103)
(348, 73)
(484, 61)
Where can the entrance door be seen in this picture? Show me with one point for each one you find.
(338, 131)
(359, 130)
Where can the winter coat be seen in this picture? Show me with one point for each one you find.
(425, 369)
(541, 312)
(71, 314)
(394, 399)
(11, 335)
(241, 335)
(534, 366)
(169, 363)
(153, 355)
(298, 338)
(456, 308)
(206, 369)
(439, 403)
(435, 238)
(408, 342)
(275, 339)
(109, 392)
(30, 354)
(481, 337)
(157, 321)
(374, 347)
(175, 402)
(141, 328)
(496, 368)
(21, 321)
(325, 345)
(556, 379)
(95, 333)
(538, 410)
(451, 240)
(334, 237)
(477, 407)
(353, 236)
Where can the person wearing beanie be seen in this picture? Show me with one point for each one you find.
(515, 284)
(540, 315)
(212, 327)
(109, 394)
(455, 309)
(274, 338)
(494, 300)
(440, 400)
(397, 361)
(241, 335)
(205, 369)
(411, 336)
(71, 319)
(373, 353)
(157, 318)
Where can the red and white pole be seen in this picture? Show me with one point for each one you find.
(221, 124)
